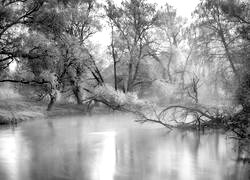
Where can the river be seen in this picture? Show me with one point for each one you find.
(114, 147)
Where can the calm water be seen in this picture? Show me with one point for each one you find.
(113, 147)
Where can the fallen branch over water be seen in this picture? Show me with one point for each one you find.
(163, 116)
(194, 115)
(176, 116)
(145, 119)
(202, 117)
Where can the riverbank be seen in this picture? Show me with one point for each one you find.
(13, 111)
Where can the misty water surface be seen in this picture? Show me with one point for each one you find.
(113, 147)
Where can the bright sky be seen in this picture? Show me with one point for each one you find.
(184, 8)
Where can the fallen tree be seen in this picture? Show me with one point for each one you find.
(197, 116)
(177, 115)
(188, 116)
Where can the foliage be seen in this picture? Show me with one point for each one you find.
(243, 93)
(118, 99)
(133, 22)
(52, 48)
(14, 16)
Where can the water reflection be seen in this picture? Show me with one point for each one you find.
(11, 158)
(104, 168)
(114, 148)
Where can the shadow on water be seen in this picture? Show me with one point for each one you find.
(113, 147)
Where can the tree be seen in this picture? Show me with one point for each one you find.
(17, 15)
(14, 14)
(52, 48)
(80, 23)
(133, 22)
(75, 65)
(117, 52)
(170, 36)
(217, 33)
(239, 13)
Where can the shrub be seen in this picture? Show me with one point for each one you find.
(110, 96)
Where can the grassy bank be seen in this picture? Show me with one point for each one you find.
(16, 110)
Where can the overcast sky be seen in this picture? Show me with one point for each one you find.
(184, 7)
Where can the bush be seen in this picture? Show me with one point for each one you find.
(118, 99)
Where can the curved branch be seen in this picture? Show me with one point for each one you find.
(190, 109)
(146, 119)
(27, 82)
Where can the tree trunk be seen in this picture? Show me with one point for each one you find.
(130, 69)
(228, 54)
(77, 94)
(114, 55)
(168, 68)
(76, 91)
(115, 75)
(52, 101)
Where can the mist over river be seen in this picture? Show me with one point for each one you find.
(114, 147)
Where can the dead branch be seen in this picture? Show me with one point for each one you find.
(188, 111)
(145, 119)
(202, 116)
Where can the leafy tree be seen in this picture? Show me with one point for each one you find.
(133, 22)
(52, 48)
(14, 14)
(80, 23)
(169, 35)
(217, 34)
(239, 13)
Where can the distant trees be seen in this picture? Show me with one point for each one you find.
(132, 22)
(170, 33)
(53, 45)
(223, 37)
(219, 33)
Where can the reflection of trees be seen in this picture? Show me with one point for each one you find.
(197, 137)
(217, 143)
(57, 152)
(60, 150)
